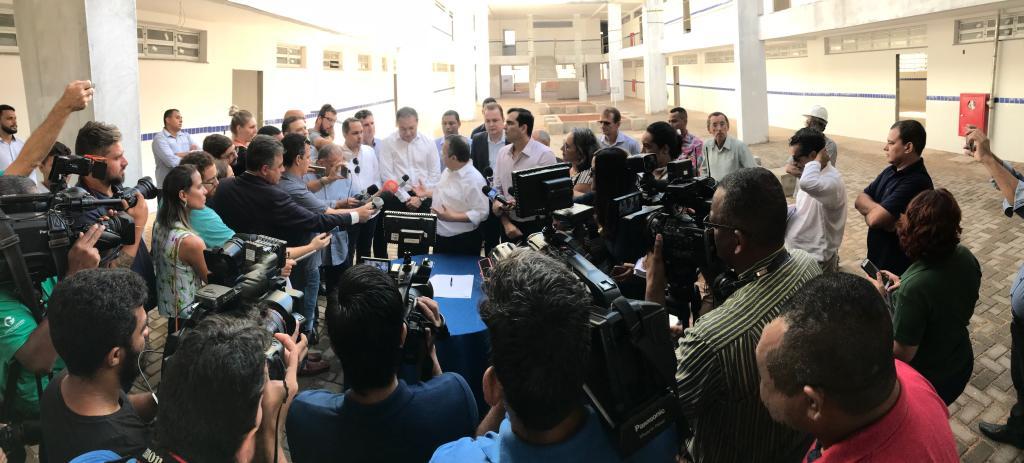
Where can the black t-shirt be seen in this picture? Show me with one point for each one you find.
(893, 189)
(67, 434)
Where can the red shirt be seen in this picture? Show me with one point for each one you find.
(915, 429)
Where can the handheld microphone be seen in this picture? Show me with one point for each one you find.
(488, 172)
(378, 203)
(493, 195)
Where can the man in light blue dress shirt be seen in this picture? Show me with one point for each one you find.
(170, 145)
(611, 119)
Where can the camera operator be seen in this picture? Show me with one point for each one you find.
(1011, 184)
(380, 418)
(537, 313)
(104, 140)
(826, 368)
(817, 221)
(717, 372)
(25, 346)
(76, 97)
(218, 402)
(522, 152)
(98, 327)
(457, 201)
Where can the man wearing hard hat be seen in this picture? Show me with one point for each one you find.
(817, 118)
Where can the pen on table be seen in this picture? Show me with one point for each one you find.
(451, 281)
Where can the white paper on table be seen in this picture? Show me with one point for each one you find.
(452, 286)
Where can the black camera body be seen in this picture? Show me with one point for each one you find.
(246, 275)
(413, 281)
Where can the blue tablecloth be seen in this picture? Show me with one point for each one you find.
(466, 350)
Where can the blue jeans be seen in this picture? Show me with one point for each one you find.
(306, 278)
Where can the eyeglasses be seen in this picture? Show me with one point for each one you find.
(209, 184)
(708, 224)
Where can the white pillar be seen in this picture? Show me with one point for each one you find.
(415, 66)
(483, 52)
(64, 40)
(615, 77)
(464, 59)
(578, 63)
(752, 83)
(531, 53)
(655, 91)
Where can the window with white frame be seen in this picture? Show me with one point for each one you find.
(157, 41)
(332, 60)
(364, 63)
(8, 34)
(291, 56)
(509, 37)
(565, 71)
(717, 57)
(785, 50)
(891, 39)
(681, 60)
(1011, 26)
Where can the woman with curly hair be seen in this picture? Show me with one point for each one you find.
(933, 300)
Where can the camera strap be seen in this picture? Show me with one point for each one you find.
(645, 344)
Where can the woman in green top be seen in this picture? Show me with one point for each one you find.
(934, 299)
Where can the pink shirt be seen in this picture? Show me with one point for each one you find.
(915, 429)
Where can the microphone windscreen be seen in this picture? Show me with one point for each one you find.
(372, 190)
(378, 203)
(488, 172)
(391, 186)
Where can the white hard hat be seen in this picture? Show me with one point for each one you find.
(819, 112)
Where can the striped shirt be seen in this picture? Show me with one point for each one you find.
(717, 372)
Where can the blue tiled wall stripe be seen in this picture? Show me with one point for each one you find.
(224, 128)
(882, 96)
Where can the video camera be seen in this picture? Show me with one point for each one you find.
(631, 371)
(246, 275)
(413, 281)
(673, 207)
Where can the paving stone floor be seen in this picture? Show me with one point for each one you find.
(997, 241)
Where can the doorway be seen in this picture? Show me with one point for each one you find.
(515, 79)
(247, 92)
(911, 86)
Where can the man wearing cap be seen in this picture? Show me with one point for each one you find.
(817, 118)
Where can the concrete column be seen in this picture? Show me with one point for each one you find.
(531, 53)
(464, 59)
(581, 71)
(655, 91)
(483, 52)
(752, 83)
(96, 41)
(615, 81)
(414, 65)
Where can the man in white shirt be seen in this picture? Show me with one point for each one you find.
(458, 201)
(364, 172)
(522, 152)
(450, 124)
(484, 150)
(611, 119)
(817, 220)
(10, 146)
(409, 152)
(722, 153)
(170, 145)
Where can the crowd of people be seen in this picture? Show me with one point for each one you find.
(788, 359)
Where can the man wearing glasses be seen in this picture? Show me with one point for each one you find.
(611, 119)
(206, 222)
(716, 373)
(722, 153)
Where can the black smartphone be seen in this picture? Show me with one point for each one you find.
(486, 266)
(319, 171)
(381, 264)
(872, 271)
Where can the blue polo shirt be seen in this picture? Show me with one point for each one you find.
(590, 444)
(893, 189)
(407, 426)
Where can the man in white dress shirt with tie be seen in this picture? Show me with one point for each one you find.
(458, 201)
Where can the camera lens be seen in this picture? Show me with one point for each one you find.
(145, 186)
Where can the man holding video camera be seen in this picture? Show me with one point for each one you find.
(26, 351)
(717, 371)
(101, 140)
(380, 418)
(537, 312)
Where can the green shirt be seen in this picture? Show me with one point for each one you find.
(934, 305)
(16, 325)
(717, 374)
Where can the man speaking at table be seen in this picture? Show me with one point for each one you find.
(458, 201)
